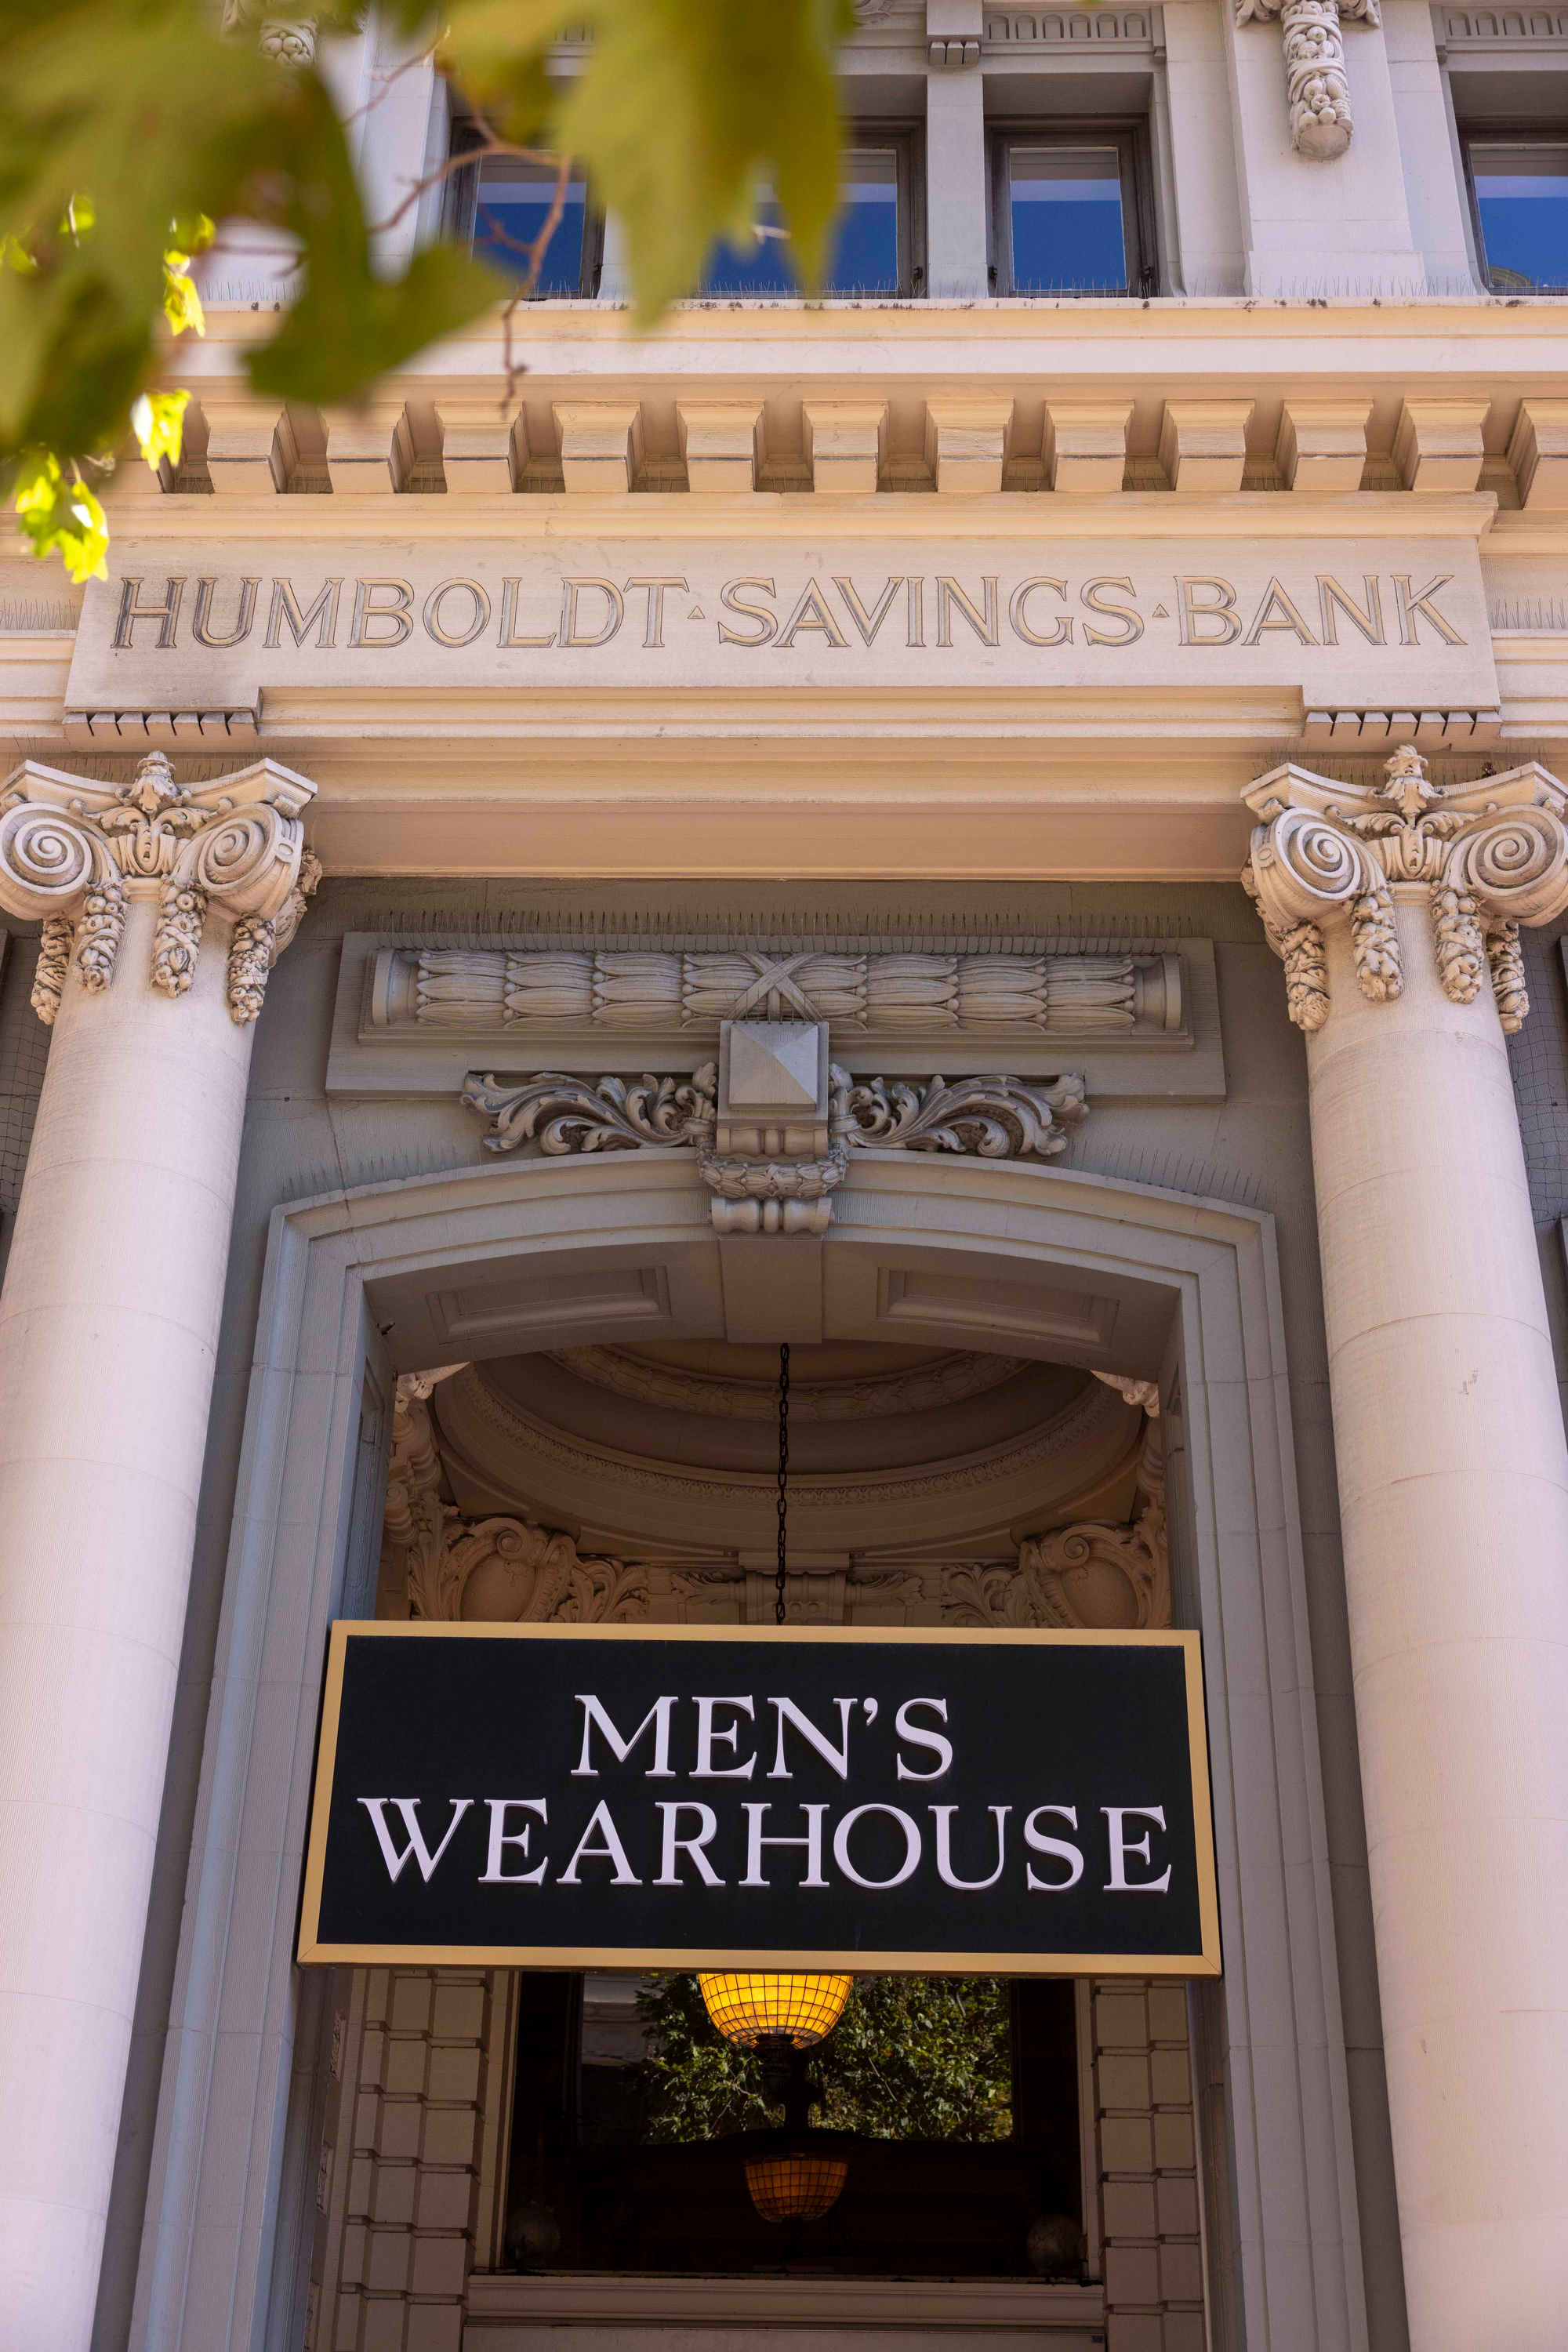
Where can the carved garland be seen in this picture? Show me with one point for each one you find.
(75, 853)
(1317, 86)
(1490, 856)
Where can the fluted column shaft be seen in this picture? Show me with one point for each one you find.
(1453, 1476)
(109, 1326)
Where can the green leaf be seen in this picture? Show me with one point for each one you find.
(678, 110)
(56, 511)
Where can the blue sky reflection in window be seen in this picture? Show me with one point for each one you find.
(1522, 193)
(863, 252)
(511, 205)
(1066, 212)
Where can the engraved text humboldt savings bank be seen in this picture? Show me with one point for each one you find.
(768, 612)
(758, 610)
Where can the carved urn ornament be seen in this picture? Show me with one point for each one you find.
(1488, 856)
(1317, 86)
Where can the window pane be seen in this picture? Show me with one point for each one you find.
(1066, 208)
(864, 254)
(863, 246)
(511, 205)
(1522, 190)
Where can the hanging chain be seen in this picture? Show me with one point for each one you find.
(784, 1474)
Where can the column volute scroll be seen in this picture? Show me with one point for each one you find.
(1487, 857)
(74, 853)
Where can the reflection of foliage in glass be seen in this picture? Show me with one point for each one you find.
(911, 2058)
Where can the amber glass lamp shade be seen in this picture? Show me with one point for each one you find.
(751, 2008)
(794, 2184)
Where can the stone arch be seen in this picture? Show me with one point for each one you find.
(361, 1286)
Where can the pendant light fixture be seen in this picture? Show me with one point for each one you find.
(781, 2017)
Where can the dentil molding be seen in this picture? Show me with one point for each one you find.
(75, 853)
(1490, 855)
(1318, 88)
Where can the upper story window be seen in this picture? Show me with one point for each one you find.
(1518, 190)
(1071, 211)
(871, 249)
(501, 205)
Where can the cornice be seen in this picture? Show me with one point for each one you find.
(967, 330)
(543, 518)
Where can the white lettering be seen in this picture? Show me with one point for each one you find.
(708, 1738)
(1054, 1849)
(611, 1851)
(839, 1758)
(592, 1713)
(940, 1747)
(755, 1816)
(944, 1871)
(707, 1824)
(911, 1847)
(1121, 1847)
(500, 1837)
(409, 1809)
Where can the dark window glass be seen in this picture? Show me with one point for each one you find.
(863, 254)
(512, 202)
(953, 2101)
(1066, 219)
(1521, 202)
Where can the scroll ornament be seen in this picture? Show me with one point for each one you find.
(1490, 855)
(75, 853)
(1316, 82)
(997, 1117)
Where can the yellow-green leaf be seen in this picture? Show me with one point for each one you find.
(182, 303)
(56, 510)
(158, 421)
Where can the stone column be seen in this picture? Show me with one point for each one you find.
(164, 907)
(1396, 913)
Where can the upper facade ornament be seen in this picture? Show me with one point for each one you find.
(885, 994)
(1317, 86)
(75, 853)
(1490, 855)
(772, 1121)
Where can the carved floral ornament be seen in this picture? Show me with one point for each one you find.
(1318, 90)
(75, 853)
(1488, 856)
(996, 1118)
(445, 1568)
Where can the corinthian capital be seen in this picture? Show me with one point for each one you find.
(74, 853)
(1487, 855)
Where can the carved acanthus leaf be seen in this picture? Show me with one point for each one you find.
(997, 1117)
(569, 1113)
(1095, 1574)
(1491, 856)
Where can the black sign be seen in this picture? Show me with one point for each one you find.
(663, 1796)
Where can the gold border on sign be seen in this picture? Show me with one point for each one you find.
(312, 1953)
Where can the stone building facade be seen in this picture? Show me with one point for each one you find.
(1001, 827)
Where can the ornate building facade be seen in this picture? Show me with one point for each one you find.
(1001, 827)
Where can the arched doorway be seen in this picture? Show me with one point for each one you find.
(939, 1255)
